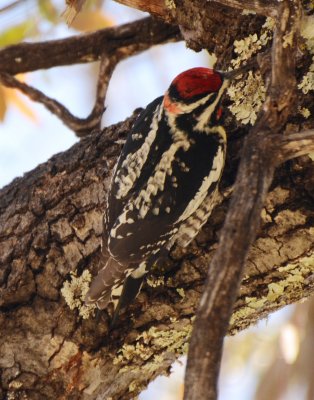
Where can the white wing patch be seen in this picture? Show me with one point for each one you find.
(202, 192)
(189, 229)
(133, 164)
(157, 181)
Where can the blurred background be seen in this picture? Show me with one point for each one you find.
(271, 361)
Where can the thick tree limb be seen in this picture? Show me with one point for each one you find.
(166, 10)
(263, 7)
(51, 225)
(128, 39)
(243, 218)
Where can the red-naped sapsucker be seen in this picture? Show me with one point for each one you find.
(164, 184)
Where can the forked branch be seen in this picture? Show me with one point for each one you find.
(110, 46)
(254, 177)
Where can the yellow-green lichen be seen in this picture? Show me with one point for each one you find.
(132, 386)
(307, 32)
(275, 290)
(15, 384)
(250, 45)
(295, 275)
(74, 292)
(181, 292)
(288, 39)
(307, 82)
(247, 97)
(248, 12)
(150, 346)
(252, 305)
(254, 302)
(154, 281)
(305, 112)
(170, 4)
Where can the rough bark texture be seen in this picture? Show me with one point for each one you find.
(51, 224)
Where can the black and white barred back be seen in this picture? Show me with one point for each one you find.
(164, 184)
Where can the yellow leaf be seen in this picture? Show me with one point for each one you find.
(12, 97)
(17, 33)
(3, 104)
(48, 10)
(88, 20)
(17, 101)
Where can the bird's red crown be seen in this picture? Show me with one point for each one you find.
(197, 81)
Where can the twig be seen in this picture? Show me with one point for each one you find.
(254, 177)
(106, 68)
(81, 126)
(296, 145)
(10, 6)
(36, 95)
(263, 7)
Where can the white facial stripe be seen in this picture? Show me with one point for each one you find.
(187, 108)
(204, 117)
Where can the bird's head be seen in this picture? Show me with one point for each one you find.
(192, 88)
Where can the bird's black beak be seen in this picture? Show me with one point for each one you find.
(230, 75)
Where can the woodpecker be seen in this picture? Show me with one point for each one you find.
(164, 185)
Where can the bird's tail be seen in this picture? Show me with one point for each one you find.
(114, 284)
(106, 285)
(130, 290)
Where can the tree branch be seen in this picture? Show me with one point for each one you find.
(121, 43)
(51, 226)
(160, 8)
(296, 145)
(130, 39)
(243, 218)
(263, 7)
(81, 126)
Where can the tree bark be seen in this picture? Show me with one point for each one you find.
(51, 225)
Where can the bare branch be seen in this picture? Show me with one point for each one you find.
(106, 68)
(154, 7)
(51, 225)
(263, 7)
(243, 219)
(122, 42)
(132, 38)
(80, 126)
(159, 8)
(52, 105)
(10, 6)
(296, 145)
